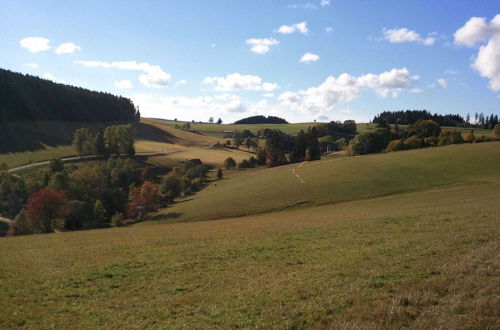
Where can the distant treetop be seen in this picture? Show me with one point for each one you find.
(406, 117)
(261, 120)
(29, 98)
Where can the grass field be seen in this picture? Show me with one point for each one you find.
(338, 179)
(420, 260)
(213, 156)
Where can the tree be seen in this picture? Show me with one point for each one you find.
(261, 157)
(171, 186)
(229, 163)
(219, 121)
(119, 139)
(45, 210)
(144, 199)
(211, 120)
(220, 175)
(427, 128)
(13, 194)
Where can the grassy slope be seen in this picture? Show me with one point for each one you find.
(39, 141)
(338, 179)
(421, 260)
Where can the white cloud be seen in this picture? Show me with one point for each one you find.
(307, 5)
(268, 95)
(345, 88)
(67, 48)
(486, 62)
(32, 65)
(261, 46)
(123, 84)
(153, 75)
(238, 82)
(180, 82)
(297, 27)
(328, 29)
(309, 57)
(325, 3)
(35, 44)
(442, 82)
(405, 35)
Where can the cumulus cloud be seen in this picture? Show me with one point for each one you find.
(261, 46)
(345, 88)
(32, 65)
(35, 44)
(328, 29)
(67, 48)
(325, 3)
(478, 30)
(123, 84)
(405, 35)
(309, 57)
(297, 27)
(442, 82)
(239, 82)
(153, 75)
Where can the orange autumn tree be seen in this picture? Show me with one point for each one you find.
(144, 200)
(46, 210)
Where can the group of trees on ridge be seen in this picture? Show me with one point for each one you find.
(424, 133)
(29, 98)
(406, 117)
(113, 140)
(261, 120)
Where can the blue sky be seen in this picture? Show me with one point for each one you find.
(301, 60)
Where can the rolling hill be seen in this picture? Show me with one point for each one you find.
(404, 240)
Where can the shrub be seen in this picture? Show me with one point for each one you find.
(220, 175)
(117, 220)
(496, 131)
(456, 137)
(243, 164)
(413, 142)
(229, 163)
(394, 145)
(469, 137)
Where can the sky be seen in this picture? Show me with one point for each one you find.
(300, 60)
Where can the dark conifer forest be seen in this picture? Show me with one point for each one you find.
(29, 98)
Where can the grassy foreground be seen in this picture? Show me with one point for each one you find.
(422, 260)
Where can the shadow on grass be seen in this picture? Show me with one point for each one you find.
(36, 135)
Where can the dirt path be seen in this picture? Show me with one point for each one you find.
(298, 176)
(84, 158)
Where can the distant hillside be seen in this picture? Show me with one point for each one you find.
(261, 120)
(29, 98)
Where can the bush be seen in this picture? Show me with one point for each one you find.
(469, 137)
(229, 163)
(496, 131)
(394, 145)
(243, 164)
(413, 142)
(261, 157)
(45, 209)
(117, 220)
(220, 175)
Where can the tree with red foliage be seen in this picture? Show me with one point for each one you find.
(45, 210)
(144, 200)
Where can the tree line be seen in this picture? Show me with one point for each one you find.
(113, 140)
(29, 98)
(424, 133)
(261, 120)
(98, 195)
